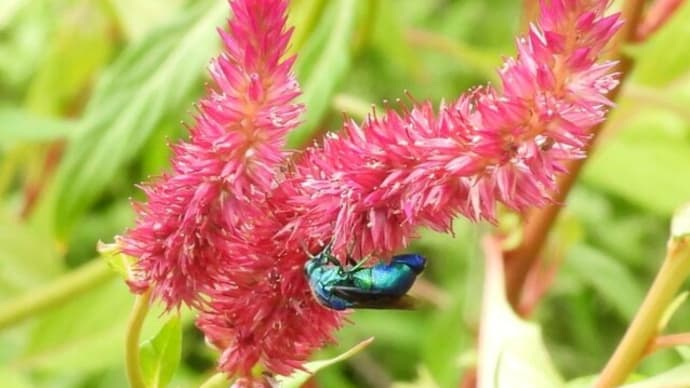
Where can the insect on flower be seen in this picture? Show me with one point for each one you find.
(381, 286)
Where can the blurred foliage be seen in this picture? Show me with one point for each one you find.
(91, 91)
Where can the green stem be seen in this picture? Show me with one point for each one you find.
(645, 326)
(134, 324)
(219, 380)
(60, 291)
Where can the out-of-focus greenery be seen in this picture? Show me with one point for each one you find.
(91, 91)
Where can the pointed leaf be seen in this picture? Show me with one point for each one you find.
(19, 126)
(511, 349)
(300, 377)
(160, 355)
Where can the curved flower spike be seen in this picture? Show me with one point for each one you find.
(227, 165)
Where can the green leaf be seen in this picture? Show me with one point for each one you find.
(678, 377)
(149, 81)
(613, 281)
(511, 349)
(77, 48)
(19, 126)
(322, 64)
(160, 355)
(298, 378)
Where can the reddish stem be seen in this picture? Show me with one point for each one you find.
(538, 222)
(668, 341)
(657, 15)
(33, 188)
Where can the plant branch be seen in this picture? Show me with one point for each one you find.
(668, 341)
(645, 325)
(52, 295)
(538, 222)
(134, 324)
(659, 12)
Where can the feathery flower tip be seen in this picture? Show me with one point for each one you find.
(235, 146)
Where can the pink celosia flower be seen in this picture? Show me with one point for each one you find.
(228, 163)
(376, 183)
(227, 228)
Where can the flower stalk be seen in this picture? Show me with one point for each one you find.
(60, 291)
(134, 325)
(645, 325)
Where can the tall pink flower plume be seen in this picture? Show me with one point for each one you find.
(377, 182)
(367, 188)
(228, 163)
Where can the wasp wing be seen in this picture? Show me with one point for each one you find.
(368, 299)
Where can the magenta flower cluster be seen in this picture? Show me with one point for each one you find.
(226, 230)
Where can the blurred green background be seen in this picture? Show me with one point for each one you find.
(91, 91)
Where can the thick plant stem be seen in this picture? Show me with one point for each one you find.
(54, 294)
(134, 324)
(538, 222)
(645, 326)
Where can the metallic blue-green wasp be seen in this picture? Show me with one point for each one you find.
(381, 286)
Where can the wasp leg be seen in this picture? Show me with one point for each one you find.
(359, 264)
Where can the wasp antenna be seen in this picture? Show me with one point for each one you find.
(304, 248)
(360, 263)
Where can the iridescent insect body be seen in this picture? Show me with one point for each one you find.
(381, 286)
